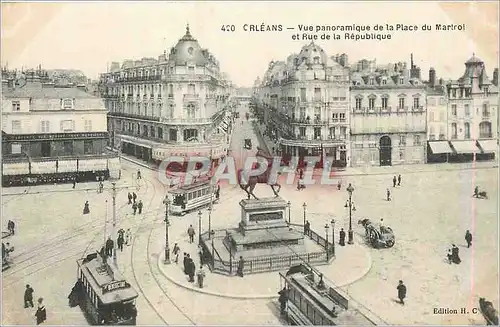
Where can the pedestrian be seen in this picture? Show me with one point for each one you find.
(134, 196)
(339, 185)
(307, 227)
(217, 192)
(121, 232)
(455, 257)
(468, 238)
(176, 252)
(74, 182)
(191, 233)
(191, 269)
(11, 227)
(283, 299)
(109, 246)
(394, 181)
(28, 296)
(139, 174)
(200, 276)
(401, 292)
(399, 180)
(200, 253)
(139, 206)
(129, 198)
(86, 208)
(449, 256)
(120, 242)
(101, 187)
(388, 195)
(301, 173)
(241, 267)
(185, 263)
(134, 207)
(128, 237)
(342, 237)
(41, 312)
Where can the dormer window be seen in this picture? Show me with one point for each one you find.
(316, 60)
(384, 81)
(372, 81)
(401, 80)
(67, 104)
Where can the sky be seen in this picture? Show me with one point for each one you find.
(88, 36)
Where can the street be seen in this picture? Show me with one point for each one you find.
(428, 212)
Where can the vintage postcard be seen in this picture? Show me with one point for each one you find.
(250, 163)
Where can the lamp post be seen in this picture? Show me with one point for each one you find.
(304, 206)
(212, 234)
(199, 226)
(350, 190)
(289, 216)
(332, 222)
(166, 202)
(327, 227)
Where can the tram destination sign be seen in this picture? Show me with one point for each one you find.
(115, 286)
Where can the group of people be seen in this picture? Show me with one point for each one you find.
(136, 205)
(124, 237)
(453, 255)
(190, 270)
(41, 312)
(396, 181)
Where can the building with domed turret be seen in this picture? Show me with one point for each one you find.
(305, 102)
(175, 105)
(473, 114)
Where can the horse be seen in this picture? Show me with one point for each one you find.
(252, 181)
(364, 222)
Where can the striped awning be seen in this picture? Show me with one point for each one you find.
(440, 147)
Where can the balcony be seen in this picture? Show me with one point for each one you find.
(191, 96)
(138, 78)
(133, 116)
(417, 108)
(186, 121)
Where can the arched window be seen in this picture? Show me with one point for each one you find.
(467, 131)
(485, 130)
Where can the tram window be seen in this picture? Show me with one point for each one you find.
(189, 196)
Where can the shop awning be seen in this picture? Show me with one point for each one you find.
(465, 146)
(440, 147)
(488, 146)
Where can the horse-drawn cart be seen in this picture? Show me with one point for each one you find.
(378, 235)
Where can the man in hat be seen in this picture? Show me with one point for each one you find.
(401, 292)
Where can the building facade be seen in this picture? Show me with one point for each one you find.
(175, 105)
(388, 114)
(49, 129)
(473, 113)
(305, 104)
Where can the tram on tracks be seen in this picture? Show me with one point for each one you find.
(307, 298)
(190, 197)
(103, 294)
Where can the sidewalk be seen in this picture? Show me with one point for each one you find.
(352, 263)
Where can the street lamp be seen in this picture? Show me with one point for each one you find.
(326, 246)
(166, 202)
(350, 190)
(304, 206)
(210, 222)
(212, 234)
(289, 205)
(332, 222)
(199, 226)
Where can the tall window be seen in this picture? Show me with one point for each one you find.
(453, 109)
(416, 140)
(343, 132)
(431, 115)
(16, 127)
(485, 130)
(467, 131)
(401, 103)
(402, 140)
(88, 126)
(302, 132)
(45, 126)
(16, 105)
(467, 110)
(190, 134)
(385, 102)
(371, 103)
(317, 133)
(453, 130)
(358, 104)
(303, 94)
(332, 132)
(342, 117)
(191, 112)
(416, 103)
(317, 94)
(67, 125)
(170, 90)
(486, 110)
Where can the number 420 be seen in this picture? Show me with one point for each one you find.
(228, 28)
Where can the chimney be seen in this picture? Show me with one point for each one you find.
(495, 77)
(432, 77)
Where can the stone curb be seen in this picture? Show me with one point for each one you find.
(251, 296)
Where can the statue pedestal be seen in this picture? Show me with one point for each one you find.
(263, 226)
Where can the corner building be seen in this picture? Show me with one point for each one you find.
(305, 103)
(176, 105)
(388, 116)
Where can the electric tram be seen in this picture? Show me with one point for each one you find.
(312, 300)
(190, 197)
(103, 294)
